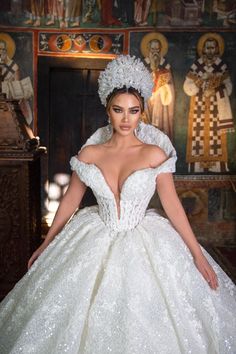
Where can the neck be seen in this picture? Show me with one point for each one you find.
(122, 142)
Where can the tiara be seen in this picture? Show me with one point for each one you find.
(125, 71)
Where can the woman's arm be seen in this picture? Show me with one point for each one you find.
(68, 205)
(175, 212)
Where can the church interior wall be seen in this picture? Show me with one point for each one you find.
(209, 197)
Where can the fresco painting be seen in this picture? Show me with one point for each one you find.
(188, 45)
(16, 67)
(213, 149)
(118, 13)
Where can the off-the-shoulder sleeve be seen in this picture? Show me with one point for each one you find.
(79, 167)
(75, 164)
(167, 166)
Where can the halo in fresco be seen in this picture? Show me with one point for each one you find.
(210, 35)
(11, 46)
(150, 36)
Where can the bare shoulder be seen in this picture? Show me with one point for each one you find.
(154, 154)
(89, 153)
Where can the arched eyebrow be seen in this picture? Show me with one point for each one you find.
(117, 106)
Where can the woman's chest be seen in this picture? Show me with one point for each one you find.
(116, 172)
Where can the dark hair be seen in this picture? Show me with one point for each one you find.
(125, 89)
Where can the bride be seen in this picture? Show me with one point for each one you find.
(117, 277)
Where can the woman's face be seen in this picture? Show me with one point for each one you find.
(124, 113)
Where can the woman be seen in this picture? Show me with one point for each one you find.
(118, 278)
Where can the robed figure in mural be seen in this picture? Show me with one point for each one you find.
(141, 11)
(160, 106)
(10, 74)
(36, 9)
(210, 117)
(9, 68)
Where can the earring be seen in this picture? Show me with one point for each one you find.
(138, 128)
(109, 127)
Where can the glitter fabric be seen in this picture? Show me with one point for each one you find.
(125, 71)
(123, 285)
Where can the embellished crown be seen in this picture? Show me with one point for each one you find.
(125, 71)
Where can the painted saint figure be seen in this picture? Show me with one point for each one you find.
(125, 11)
(141, 11)
(37, 11)
(73, 12)
(210, 117)
(9, 70)
(89, 9)
(160, 106)
(107, 17)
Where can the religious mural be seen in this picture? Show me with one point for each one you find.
(194, 95)
(118, 13)
(194, 75)
(86, 43)
(160, 106)
(16, 83)
(209, 85)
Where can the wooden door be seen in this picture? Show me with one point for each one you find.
(69, 111)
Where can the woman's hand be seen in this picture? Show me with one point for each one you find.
(36, 254)
(207, 271)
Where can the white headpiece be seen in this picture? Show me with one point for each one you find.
(125, 71)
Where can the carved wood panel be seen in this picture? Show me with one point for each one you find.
(20, 218)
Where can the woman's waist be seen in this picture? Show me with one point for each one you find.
(127, 221)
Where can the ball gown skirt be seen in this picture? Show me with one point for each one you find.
(122, 284)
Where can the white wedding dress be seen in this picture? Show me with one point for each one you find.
(123, 285)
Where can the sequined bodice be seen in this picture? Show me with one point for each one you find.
(135, 195)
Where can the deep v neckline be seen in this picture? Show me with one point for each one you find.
(125, 181)
(118, 202)
(107, 186)
(118, 207)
